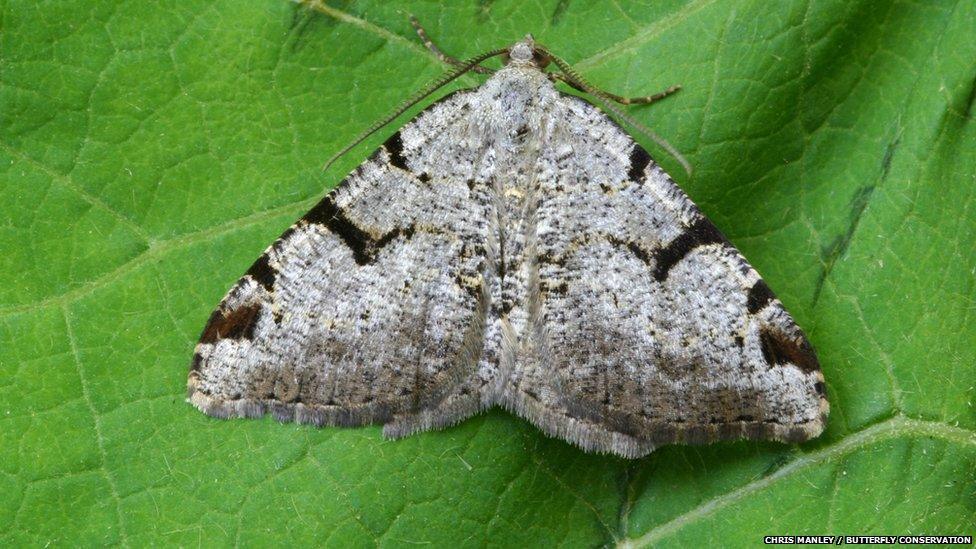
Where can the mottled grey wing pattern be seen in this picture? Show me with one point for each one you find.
(512, 245)
(648, 326)
(371, 307)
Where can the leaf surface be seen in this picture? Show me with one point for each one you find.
(150, 151)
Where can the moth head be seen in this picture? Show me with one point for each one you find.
(525, 53)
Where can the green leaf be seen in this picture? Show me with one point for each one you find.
(149, 151)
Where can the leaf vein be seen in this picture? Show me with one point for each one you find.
(895, 427)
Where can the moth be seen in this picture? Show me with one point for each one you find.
(512, 246)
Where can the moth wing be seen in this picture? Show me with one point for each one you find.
(646, 325)
(369, 309)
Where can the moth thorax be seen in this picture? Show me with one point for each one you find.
(526, 54)
(522, 52)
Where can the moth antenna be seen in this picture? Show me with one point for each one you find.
(444, 79)
(644, 100)
(439, 53)
(606, 102)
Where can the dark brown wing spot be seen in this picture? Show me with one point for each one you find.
(263, 273)
(635, 248)
(778, 349)
(394, 147)
(363, 247)
(639, 159)
(329, 215)
(759, 296)
(236, 324)
(700, 233)
(197, 363)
